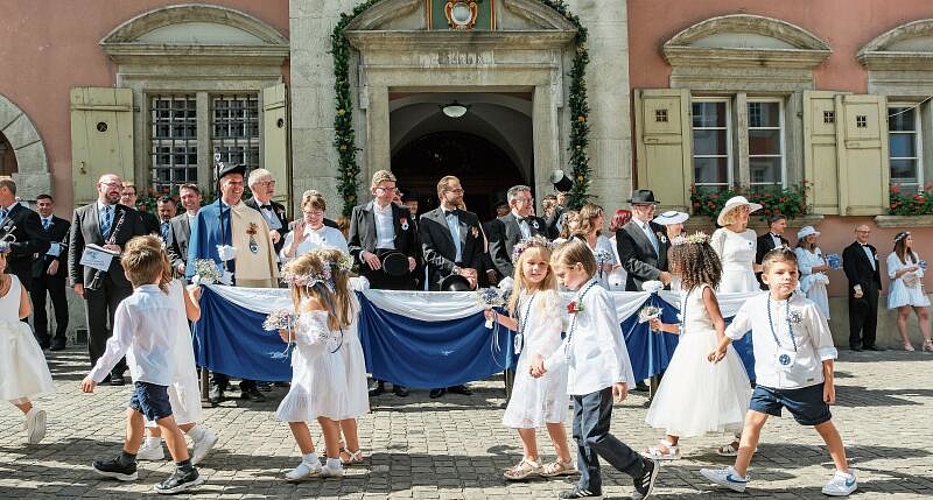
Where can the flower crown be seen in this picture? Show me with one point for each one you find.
(697, 238)
(901, 235)
(343, 265)
(526, 243)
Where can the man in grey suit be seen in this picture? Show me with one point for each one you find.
(508, 230)
(180, 227)
(108, 224)
(642, 245)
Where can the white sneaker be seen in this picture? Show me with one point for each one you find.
(727, 477)
(150, 450)
(35, 425)
(203, 446)
(304, 471)
(328, 471)
(842, 484)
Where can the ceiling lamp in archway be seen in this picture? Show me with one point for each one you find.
(454, 109)
(461, 14)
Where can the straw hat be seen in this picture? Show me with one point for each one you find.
(806, 231)
(671, 217)
(732, 204)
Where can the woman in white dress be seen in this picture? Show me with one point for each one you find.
(618, 275)
(673, 222)
(310, 232)
(590, 228)
(906, 272)
(812, 267)
(735, 245)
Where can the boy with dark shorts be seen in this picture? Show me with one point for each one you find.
(139, 333)
(794, 356)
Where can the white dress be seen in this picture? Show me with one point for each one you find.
(185, 392)
(908, 289)
(737, 253)
(813, 284)
(695, 396)
(536, 402)
(23, 370)
(619, 275)
(321, 373)
(604, 249)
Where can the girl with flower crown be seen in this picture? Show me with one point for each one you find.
(534, 313)
(696, 397)
(328, 373)
(906, 272)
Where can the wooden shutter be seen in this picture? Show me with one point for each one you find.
(101, 138)
(275, 137)
(862, 149)
(664, 142)
(819, 153)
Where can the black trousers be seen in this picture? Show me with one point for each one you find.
(223, 381)
(592, 414)
(55, 287)
(100, 305)
(863, 318)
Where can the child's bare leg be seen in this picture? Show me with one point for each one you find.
(174, 439)
(331, 430)
(156, 432)
(302, 436)
(134, 431)
(754, 421)
(559, 439)
(350, 435)
(529, 444)
(833, 442)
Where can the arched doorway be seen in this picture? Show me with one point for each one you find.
(7, 158)
(484, 169)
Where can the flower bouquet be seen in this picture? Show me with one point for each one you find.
(922, 264)
(281, 319)
(649, 313)
(603, 258)
(489, 298)
(206, 271)
(834, 261)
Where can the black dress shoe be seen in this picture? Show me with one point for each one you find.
(117, 379)
(45, 346)
(58, 345)
(378, 390)
(264, 386)
(216, 396)
(436, 393)
(460, 389)
(641, 387)
(855, 348)
(875, 348)
(252, 394)
(400, 391)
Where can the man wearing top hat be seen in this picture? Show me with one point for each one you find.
(774, 238)
(246, 251)
(642, 244)
(511, 228)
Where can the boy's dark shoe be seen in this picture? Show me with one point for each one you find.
(578, 492)
(252, 394)
(180, 480)
(645, 483)
(116, 469)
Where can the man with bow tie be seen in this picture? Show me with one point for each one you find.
(774, 238)
(262, 185)
(860, 263)
(48, 276)
(508, 230)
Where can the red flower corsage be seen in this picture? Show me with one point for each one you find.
(573, 307)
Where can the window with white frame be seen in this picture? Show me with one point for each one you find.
(904, 147)
(765, 143)
(712, 158)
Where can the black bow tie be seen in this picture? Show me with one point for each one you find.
(265, 207)
(454, 212)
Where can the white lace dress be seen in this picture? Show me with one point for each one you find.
(536, 402)
(737, 253)
(23, 370)
(813, 284)
(695, 396)
(619, 275)
(323, 384)
(908, 289)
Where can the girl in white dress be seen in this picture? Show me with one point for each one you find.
(327, 385)
(735, 245)
(590, 227)
(812, 267)
(906, 273)
(695, 397)
(535, 314)
(24, 373)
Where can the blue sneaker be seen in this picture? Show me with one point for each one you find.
(841, 485)
(727, 477)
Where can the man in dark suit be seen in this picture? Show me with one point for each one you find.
(29, 239)
(48, 276)
(769, 241)
(553, 216)
(128, 198)
(452, 243)
(262, 185)
(166, 208)
(108, 224)
(377, 229)
(506, 231)
(642, 251)
(860, 263)
(180, 228)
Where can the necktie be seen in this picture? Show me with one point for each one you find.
(3, 213)
(165, 231)
(265, 207)
(106, 221)
(47, 224)
(652, 238)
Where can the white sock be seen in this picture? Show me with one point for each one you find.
(196, 433)
(153, 441)
(311, 458)
(334, 463)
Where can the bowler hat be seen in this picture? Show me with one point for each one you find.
(231, 169)
(455, 283)
(643, 197)
(395, 264)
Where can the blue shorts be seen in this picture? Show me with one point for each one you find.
(805, 404)
(151, 400)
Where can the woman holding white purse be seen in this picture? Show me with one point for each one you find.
(813, 267)
(906, 272)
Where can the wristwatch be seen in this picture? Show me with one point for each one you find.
(456, 270)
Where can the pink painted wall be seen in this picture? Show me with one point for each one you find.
(46, 48)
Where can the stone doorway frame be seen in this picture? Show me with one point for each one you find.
(32, 177)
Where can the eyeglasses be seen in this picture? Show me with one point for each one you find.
(266, 183)
(313, 213)
(387, 189)
(522, 198)
(455, 191)
(112, 184)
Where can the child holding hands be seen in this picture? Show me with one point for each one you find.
(794, 356)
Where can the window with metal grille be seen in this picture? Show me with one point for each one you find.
(173, 122)
(235, 129)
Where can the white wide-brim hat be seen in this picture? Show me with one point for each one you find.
(806, 231)
(735, 202)
(671, 217)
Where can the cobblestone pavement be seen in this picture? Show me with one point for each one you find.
(456, 448)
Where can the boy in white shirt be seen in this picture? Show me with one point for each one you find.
(139, 333)
(794, 356)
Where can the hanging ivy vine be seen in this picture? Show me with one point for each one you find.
(345, 136)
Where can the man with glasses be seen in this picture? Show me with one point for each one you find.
(642, 245)
(504, 232)
(860, 263)
(262, 185)
(128, 197)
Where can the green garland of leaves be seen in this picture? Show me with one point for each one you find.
(345, 137)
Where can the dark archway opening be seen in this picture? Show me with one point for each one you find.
(484, 169)
(8, 164)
